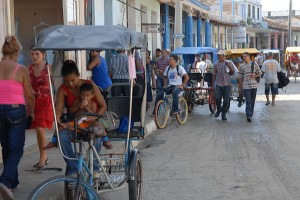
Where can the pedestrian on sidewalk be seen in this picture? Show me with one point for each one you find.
(248, 83)
(14, 85)
(270, 68)
(43, 112)
(223, 69)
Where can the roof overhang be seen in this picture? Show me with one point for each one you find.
(261, 30)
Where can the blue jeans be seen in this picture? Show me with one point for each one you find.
(250, 96)
(149, 90)
(174, 91)
(222, 92)
(159, 86)
(66, 137)
(12, 138)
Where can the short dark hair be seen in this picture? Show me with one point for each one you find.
(175, 57)
(158, 50)
(86, 87)
(69, 67)
(246, 53)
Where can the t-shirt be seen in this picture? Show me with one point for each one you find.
(270, 68)
(173, 77)
(100, 74)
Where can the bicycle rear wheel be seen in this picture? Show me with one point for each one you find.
(183, 111)
(161, 114)
(212, 102)
(135, 185)
(63, 188)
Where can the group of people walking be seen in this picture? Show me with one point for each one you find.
(248, 76)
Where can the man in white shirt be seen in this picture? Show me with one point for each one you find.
(270, 68)
(176, 78)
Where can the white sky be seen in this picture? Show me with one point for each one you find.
(276, 5)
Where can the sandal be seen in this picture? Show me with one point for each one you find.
(107, 145)
(50, 145)
(38, 166)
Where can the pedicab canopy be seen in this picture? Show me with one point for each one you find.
(292, 50)
(239, 52)
(194, 50)
(87, 37)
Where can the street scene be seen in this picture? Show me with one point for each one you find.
(147, 99)
(208, 158)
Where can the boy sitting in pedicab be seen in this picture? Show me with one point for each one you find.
(86, 104)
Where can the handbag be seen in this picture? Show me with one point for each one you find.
(252, 70)
(110, 121)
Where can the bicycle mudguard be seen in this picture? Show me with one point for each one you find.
(132, 167)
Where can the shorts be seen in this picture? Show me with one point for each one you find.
(274, 88)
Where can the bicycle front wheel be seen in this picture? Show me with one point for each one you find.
(161, 114)
(183, 111)
(64, 188)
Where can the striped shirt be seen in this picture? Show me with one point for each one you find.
(119, 66)
(221, 70)
(161, 65)
(245, 73)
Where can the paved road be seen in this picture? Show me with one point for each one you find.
(208, 158)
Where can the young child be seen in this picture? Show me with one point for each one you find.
(86, 104)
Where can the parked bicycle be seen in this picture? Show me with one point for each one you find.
(163, 110)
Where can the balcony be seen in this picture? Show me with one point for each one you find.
(215, 15)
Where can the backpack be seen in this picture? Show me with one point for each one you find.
(283, 79)
(177, 68)
(252, 70)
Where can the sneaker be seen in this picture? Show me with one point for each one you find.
(175, 113)
(217, 114)
(224, 117)
(273, 104)
(267, 103)
(240, 104)
(6, 192)
(107, 145)
(249, 119)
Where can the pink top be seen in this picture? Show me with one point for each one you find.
(11, 91)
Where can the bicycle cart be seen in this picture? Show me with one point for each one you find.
(116, 169)
(196, 93)
(292, 71)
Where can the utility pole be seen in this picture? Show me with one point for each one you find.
(290, 39)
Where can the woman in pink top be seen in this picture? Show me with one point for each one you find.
(43, 112)
(14, 85)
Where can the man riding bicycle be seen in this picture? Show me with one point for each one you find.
(176, 78)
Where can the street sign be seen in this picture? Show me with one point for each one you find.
(153, 28)
(178, 35)
(239, 35)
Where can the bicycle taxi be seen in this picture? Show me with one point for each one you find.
(116, 169)
(290, 53)
(276, 54)
(233, 54)
(196, 93)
